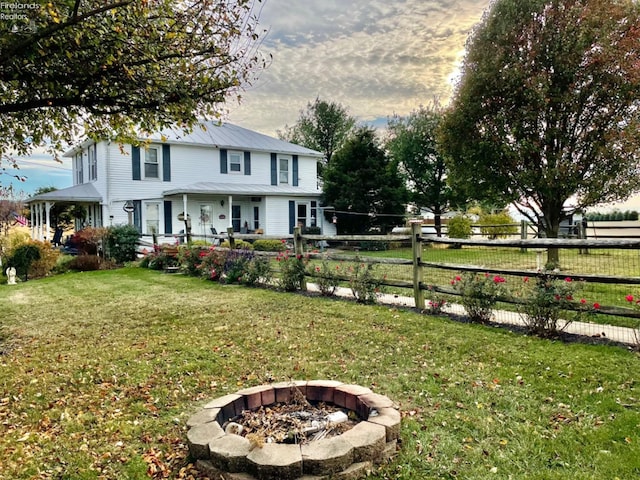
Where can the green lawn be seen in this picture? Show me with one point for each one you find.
(99, 372)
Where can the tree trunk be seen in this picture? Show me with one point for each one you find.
(437, 221)
(552, 228)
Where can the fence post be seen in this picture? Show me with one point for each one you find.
(416, 247)
(523, 233)
(232, 242)
(299, 251)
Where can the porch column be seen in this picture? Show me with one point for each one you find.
(39, 220)
(187, 222)
(48, 206)
(230, 202)
(32, 218)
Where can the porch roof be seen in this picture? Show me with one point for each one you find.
(215, 188)
(84, 192)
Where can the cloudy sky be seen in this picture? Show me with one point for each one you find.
(375, 57)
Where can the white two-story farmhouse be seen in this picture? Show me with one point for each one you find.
(220, 175)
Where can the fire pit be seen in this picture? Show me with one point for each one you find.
(346, 429)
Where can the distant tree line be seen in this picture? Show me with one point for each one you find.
(615, 216)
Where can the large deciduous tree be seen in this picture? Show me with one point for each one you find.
(547, 110)
(412, 144)
(110, 68)
(323, 126)
(364, 186)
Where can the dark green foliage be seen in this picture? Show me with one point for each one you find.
(412, 144)
(364, 186)
(265, 245)
(121, 243)
(324, 126)
(23, 257)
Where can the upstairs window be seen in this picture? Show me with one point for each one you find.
(235, 162)
(79, 169)
(93, 164)
(284, 170)
(151, 166)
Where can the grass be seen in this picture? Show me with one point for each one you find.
(100, 371)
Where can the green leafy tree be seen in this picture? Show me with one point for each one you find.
(323, 126)
(412, 144)
(546, 113)
(112, 68)
(364, 186)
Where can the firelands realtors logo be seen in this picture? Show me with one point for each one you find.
(19, 15)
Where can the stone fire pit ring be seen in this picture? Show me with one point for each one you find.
(350, 455)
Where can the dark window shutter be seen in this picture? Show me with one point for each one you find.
(135, 163)
(168, 227)
(292, 215)
(295, 171)
(274, 169)
(247, 163)
(166, 163)
(137, 214)
(223, 161)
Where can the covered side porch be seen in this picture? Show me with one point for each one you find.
(44, 212)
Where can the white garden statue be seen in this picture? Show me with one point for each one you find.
(11, 276)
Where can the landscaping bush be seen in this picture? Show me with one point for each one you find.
(326, 277)
(459, 227)
(265, 245)
(47, 262)
(121, 243)
(23, 257)
(87, 263)
(239, 244)
(90, 240)
(499, 225)
(479, 294)
(258, 271)
(292, 271)
(363, 282)
(545, 299)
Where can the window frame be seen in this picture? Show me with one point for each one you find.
(240, 163)
(283, 160)
(144, 153)
(93, 163)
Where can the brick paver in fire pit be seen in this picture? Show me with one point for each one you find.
(351, 455)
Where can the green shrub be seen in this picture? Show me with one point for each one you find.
(459, 227)
(62, 263)
(479, 293)
(190, 259)
(238, 243)
(46, 264)
(265, 245)
(546, 298)
(499, 225)
(292, 271)
(326, 277)
(374, 246)
(258, 271)
(121, 243)
(23, 257)
(363, 282)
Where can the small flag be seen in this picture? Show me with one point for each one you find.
(21, 219)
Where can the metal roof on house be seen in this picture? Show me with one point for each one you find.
(85, 192)
(215, 188)
(222, 135)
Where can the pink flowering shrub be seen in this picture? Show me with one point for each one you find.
(479, 294)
